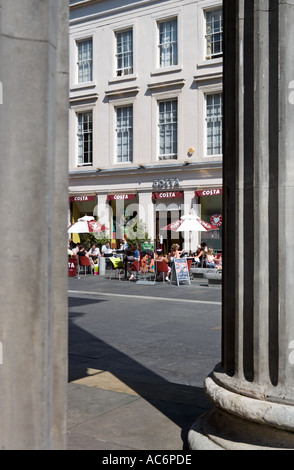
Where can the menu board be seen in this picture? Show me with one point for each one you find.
(180, 270)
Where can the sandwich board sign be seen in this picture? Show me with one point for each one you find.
(180, 271)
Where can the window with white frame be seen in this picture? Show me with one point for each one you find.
(168, 129)
(168, 43)
(214, 33)
(124, 134)
(214, 117)
(85, 60)
(124, 52)
(85, 138)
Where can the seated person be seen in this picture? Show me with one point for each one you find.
(174, 252)
(210, 258)
(200, 255)
(124, 244)
(106, 249)
(94, 253)
(73, 247)
(219, 262)
(136, 255)
(82, 251)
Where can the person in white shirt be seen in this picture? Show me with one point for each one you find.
(94, 253)
(105, 249)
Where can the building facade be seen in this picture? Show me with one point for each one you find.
(146, 114)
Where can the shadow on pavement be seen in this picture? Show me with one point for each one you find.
(181, 404)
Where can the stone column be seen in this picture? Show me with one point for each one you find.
(191, 239)
(252, 389)
(103, 211)
(33, 214)
(147, 213)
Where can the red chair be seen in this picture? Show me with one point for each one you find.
(134, 267)
(84, 262)
(162, 269)
(189, 263)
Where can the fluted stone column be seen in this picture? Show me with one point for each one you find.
(252, 389)
(33, 215)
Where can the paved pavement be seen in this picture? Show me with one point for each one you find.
(138, 356)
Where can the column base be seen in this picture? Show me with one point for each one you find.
(245, 427)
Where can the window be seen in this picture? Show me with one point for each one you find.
(85, 61)
(124, 134)
(168, 43)
(168, 129)
(124, 52)
(214, 34)
(214, 123)
(85, 138)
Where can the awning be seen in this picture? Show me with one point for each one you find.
(168, 195)
(209, 192)
(120, 197)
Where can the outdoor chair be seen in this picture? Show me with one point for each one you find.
(117, 267)
(134, 267)
(161, 269)
(85, 264)
(189, 263)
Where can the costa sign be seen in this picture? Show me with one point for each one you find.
(167, 195)
(81, 198)
(209, 192)
(120, 197)
(168, 183)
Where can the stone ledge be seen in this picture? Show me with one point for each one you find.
(200, 272)
(214, 278)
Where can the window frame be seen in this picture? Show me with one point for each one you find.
(78, 162)
(212, 56)
(160, 44)
(124, 53)
(78, 42)
(170, 156)
(74, 39)
(130, 158)
(220, 153)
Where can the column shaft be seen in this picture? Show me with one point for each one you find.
(33, 191)
(252, 389)
(258, 195)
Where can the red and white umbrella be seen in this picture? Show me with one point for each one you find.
(190, 223)
(87, 224)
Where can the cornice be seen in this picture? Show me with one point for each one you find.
(176, 83)
(86, 3)
(145, 169)
(115, 93)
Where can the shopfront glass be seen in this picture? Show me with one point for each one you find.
(211, 211)
(125, 220)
